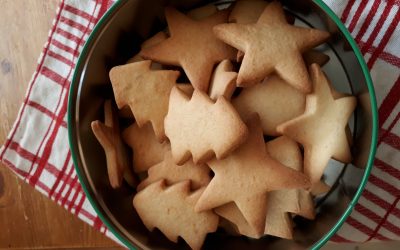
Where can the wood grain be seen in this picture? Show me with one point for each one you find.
(27, 218)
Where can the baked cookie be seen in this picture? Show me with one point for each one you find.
(223, 81)
(109, 137)
(192, 45)
(145, 91)
(272, 45)
(322, 128)
(249, 168)
(147, 150)
(200, 127)
(170, 209)
(199, 175)
(274, 100)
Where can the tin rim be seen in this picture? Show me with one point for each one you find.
(364, 67)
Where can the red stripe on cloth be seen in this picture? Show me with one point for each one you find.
(65, 83)
(362, 228)
(61, 58)
(384, 185)
(68, 35)
(13, 168)
(338, 238)
(368, 20)
(43, 162)
(81, 201)
(388, 137)
(377, 28)
(72, 23)
(63, 47)
(389, 102)
(387, 57)
(392, 139)
(376, 218)
(22, 152)
(68, 203)
(44, 110)
(97, 224)
(375, 233)
(77, 192)
(78, 12)
(71, 187)
(380, 202)
(387, 168)
(357, 15)
(386, 37)
(103, 8)
(67, 177)
(346, 11)
(38, 69)
(61, 174)
(57, 78)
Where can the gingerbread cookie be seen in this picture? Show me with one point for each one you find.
(109, 137)
(147, 150)
(200, 127)
(202, 12)
(145, 91)
(274, 100)
(170, 209)
(249, 168)
(199, 175)
(156, 39)
(272, 45)
(192, 45)
(321, 129)
(223, 81)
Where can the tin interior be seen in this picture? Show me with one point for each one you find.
(117, 38)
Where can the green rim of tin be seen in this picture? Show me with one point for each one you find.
(371, 157)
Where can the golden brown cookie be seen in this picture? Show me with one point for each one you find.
(252, 169)
(147, 150)
(170, 209)
(145, 91)
(192, 45)
(274, 100)
(199, 175)
(314, 56)
(321, 129)
(202, 12)
(272, 45)
(156, 39)
(296, 201)
(223, 81)
(199, 127)
(246, 12)
(280, 203)
(109, 137)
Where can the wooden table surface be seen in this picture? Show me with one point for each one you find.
(27, 218)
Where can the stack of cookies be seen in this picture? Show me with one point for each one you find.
(200, 158)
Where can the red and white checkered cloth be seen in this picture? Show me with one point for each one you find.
(37, 147)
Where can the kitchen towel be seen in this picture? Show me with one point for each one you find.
(42, 158)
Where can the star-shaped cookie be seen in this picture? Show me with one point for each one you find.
(280, 203)
(249, 168)
(271, 45)
(192, 45)
(145, 91)
(109, 137)
(322, 128)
